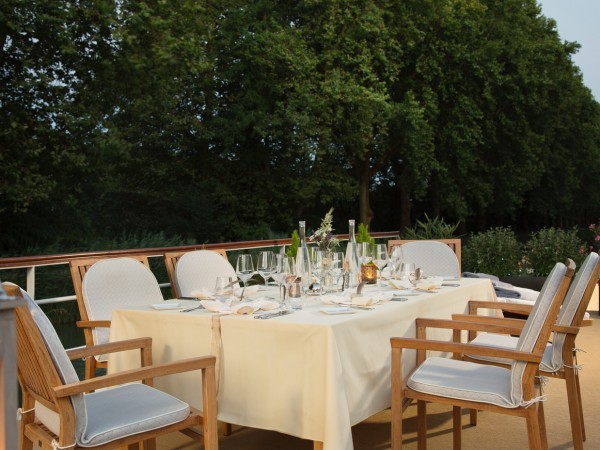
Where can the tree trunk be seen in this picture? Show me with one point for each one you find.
(364, 183)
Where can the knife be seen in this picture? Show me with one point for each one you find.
(270, 315)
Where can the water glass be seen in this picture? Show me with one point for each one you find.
(337, 267)
(380, 259)
(223, 288)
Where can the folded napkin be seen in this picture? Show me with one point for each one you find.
(364, 300)
(239, 308)
(399, 284)
(202, 294)
(250, 290)
(430, 284)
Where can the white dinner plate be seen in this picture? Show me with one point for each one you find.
(405, 292)
(170, 305)
(338, 310)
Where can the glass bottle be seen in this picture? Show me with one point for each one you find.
(303, 269)
(351, 265)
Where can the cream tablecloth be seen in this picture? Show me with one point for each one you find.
(306, 374)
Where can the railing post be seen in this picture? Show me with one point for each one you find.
(8, 371)
(31, 281)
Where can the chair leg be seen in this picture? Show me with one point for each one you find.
(574, 408)
(533, 429)
(457, 427)
(421, 425)
(226, 428)
(580, 404)
(90, 368)
(473, 417)
(542, 425)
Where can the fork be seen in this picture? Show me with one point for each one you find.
(191, 309)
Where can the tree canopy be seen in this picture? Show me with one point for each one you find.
(233, 120)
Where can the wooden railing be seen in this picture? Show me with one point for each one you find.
(30, 263)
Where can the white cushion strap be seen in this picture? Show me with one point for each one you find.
(20, 413)
(55, 445)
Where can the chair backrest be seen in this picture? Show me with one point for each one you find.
(199, 270)
(537, 328)
(43, 364)
(115, 283)
(171, 260)
(436, 258)
(574, 306)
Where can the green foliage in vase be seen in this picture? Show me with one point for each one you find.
(548, 246)
(362, 234)
(435, 228)
(495, 251)
(293, 248)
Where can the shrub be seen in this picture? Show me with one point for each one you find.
(495, 251)
(363, 235)
(551, 245)
(435, 228)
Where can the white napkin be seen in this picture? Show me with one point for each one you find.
(202, 293)
(363, 300)
(399, 284)
(250, 290)
(239, 308)
(430, 284)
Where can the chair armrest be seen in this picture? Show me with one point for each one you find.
(565, 329)
(487, 320)
(467, 325)
(511, 307)
(111, 347)
(455, 347)
(128, 376)
(93, 324)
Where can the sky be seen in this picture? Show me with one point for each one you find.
(579, 20)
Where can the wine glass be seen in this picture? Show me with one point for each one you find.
(337, 266)
(265, 265)
(380, 259)
(395, 260)
(318, 267)
(288, 269)
(280, 271)
(363, 250)
(244, 268)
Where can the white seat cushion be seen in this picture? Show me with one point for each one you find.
(464, 380)
(509, 342)
(126, 410)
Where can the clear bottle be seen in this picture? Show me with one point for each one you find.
(351, 264)
(303, 269)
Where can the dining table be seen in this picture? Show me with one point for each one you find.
(308, 374)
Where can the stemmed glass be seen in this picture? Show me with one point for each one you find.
(337, 266)
(280, 271)
(364, 253)
(380, 259)
(288, 270)
(395, 260)
(318, 267)
(265, 265)
(244, 268)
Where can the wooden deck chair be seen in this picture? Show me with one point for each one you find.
(473, 385)
(199, 270)
(440, 257)
(124, 281)
(560, 359)
(106, 412)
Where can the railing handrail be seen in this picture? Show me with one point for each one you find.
(31, 262)
(62, 258)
